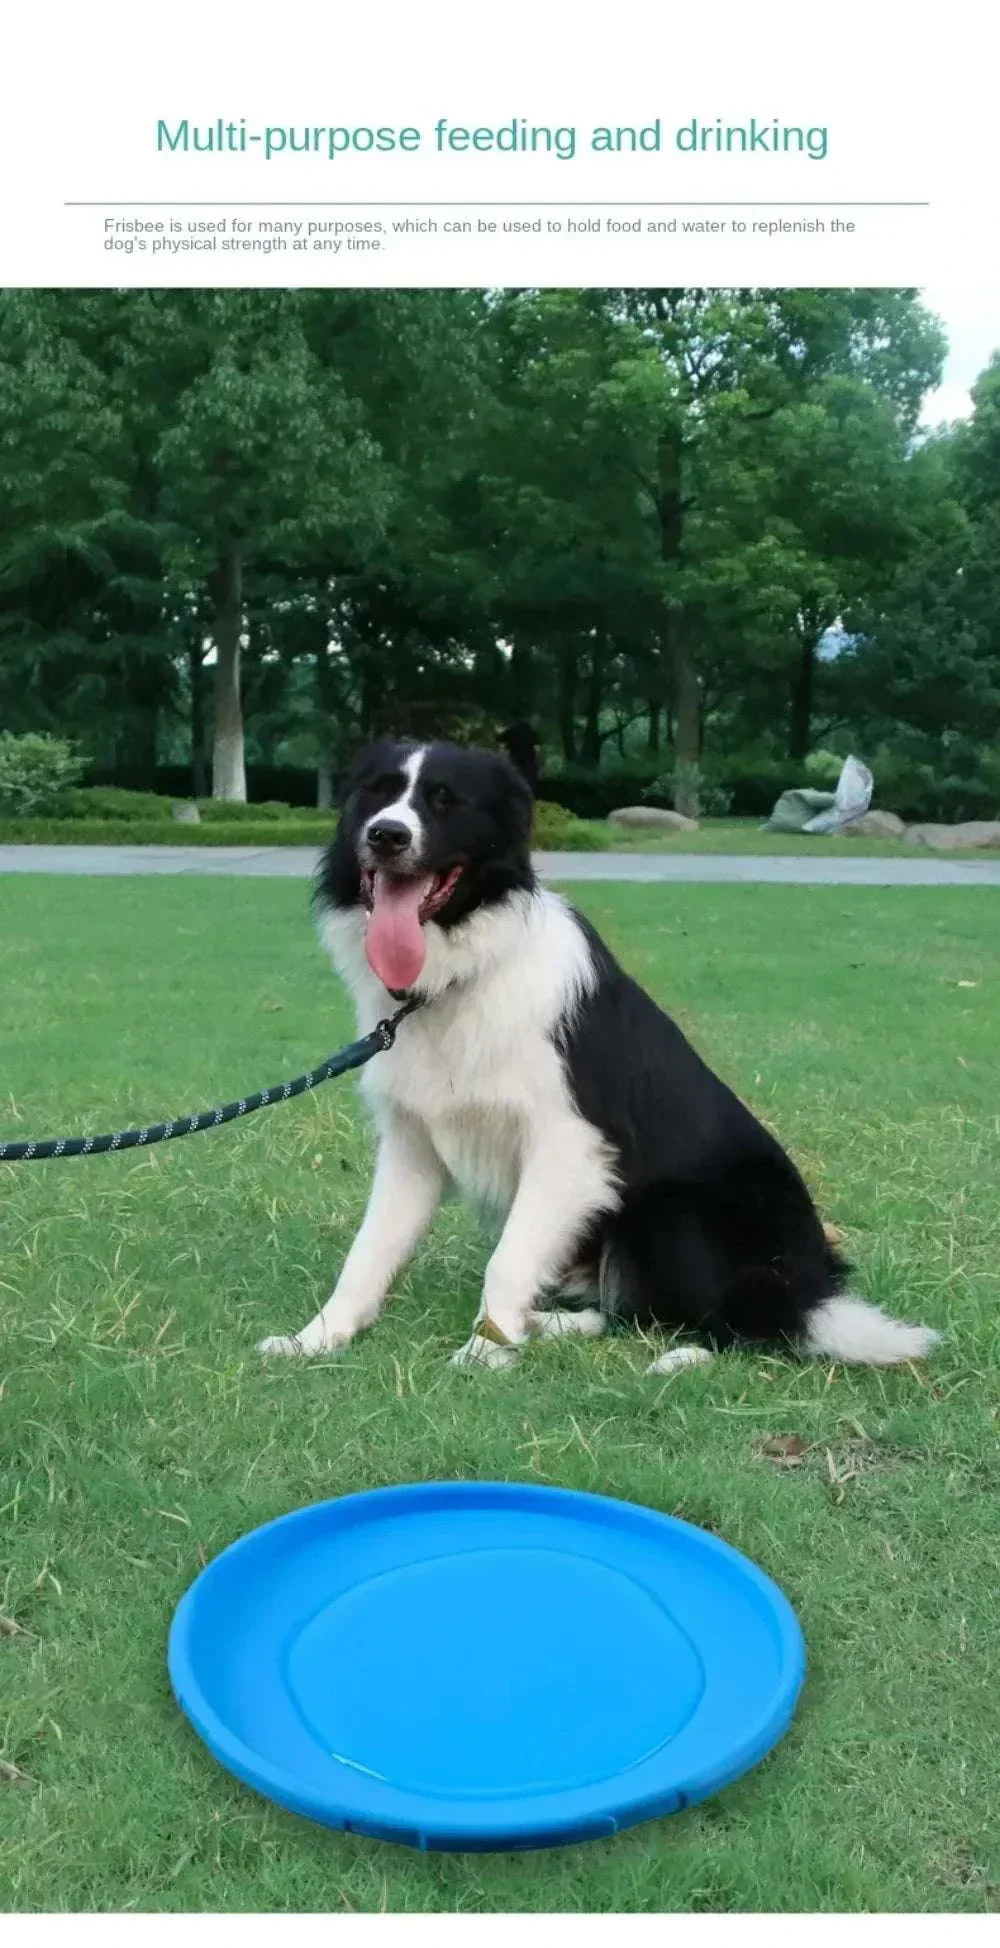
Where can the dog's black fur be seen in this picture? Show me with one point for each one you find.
(716, 1232)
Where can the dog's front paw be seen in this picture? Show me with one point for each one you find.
(299, 1346)
(478, 1351)
(679, 1357)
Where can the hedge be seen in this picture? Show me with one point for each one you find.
(752, 779)
(123, 805)
(107, 831)
(555, 829)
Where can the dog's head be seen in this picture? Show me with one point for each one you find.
(428, 834)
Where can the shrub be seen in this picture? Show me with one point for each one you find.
(821, 770)
(558, 830)
(714, 798)
(113, 801)
(36, 773)
(125, 807)
(219, 811)
(593, 794)
(924, 794)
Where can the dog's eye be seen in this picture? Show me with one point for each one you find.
(440, 798)
(388, 785)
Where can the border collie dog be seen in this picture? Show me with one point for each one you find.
(539, 1079)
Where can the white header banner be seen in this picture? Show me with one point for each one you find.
(444, 144)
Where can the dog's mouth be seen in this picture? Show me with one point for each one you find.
(399, 908)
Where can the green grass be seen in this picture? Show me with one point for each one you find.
(140, 1433)
(746, 835)
(305, 828)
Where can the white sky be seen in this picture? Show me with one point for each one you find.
(971, 320)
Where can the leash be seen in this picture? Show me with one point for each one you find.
(354, 1056)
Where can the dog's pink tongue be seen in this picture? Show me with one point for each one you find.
(394, 942)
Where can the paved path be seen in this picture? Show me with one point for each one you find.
(297, 862)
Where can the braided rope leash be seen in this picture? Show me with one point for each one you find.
(354, 1056)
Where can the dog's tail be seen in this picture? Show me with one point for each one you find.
(849, 1329)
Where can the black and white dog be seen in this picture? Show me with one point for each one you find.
(544, 1083)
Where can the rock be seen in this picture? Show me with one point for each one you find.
(875, 825)
(650, 818)
(186, 814)
(970, 837)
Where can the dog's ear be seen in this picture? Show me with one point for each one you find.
(368, 763)
(516, 796)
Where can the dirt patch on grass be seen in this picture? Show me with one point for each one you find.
(839, 1462)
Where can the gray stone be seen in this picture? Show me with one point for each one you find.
(187, 814)
(875, 825)
(970, 837)
(649, 818)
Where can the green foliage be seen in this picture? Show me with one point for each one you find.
(115, 803)
(745, 784)
(305, 830)
(36, 772)
(119, 806)
(593, 794)
(920, 791)
(557, 830)
(630, 516)
(215, 812)
(691, 782)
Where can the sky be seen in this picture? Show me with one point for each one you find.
(972, 323)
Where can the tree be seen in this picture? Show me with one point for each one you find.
(628, 518)
(927, 649)
(266, 457)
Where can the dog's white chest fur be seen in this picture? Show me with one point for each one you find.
(477, 1067)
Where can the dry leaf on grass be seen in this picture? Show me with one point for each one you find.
(786, 1449)
(833, 1234)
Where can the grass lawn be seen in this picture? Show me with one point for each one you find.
(140, 1433)
(744, 835)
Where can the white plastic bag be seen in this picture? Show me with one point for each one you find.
(850, 800)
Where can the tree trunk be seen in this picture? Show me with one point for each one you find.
(199, 749)
(324, 785)
(687, 730)
(229, 778)
(686, 688)
(687, 726)
(567, 700)
(590, 750)
(801, 699)
(325, 700)
(653, 727)
(519, 682)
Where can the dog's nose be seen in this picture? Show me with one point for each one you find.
(387, 837)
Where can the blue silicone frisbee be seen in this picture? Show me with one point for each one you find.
(482, 1665)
